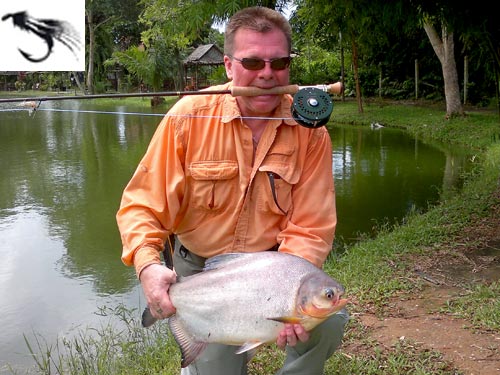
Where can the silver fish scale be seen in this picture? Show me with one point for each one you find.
(232, 302)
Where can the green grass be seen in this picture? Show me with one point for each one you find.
(134, 350)
(480, 305)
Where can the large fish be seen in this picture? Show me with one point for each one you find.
(244, 299)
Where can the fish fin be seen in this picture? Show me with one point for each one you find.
(190, 349)
(222, 260)
(288, 319)
(147, 319)
(250, 347)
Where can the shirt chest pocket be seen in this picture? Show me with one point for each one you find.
(281, 175)
(213, 183)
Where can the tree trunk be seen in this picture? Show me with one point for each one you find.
(77, 81)
(90, 69)
(445, 50)
(342, 68)
(356, 75)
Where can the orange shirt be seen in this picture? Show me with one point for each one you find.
(201, 180)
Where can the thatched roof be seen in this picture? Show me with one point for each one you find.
(206, 54)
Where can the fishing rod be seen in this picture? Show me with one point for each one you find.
(311, 107)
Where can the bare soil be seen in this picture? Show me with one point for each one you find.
(419, 319)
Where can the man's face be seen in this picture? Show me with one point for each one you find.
(268, 46)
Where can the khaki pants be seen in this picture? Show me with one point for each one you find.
(305, 358)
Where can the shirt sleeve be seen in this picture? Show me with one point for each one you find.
(146, 215)
(310, 230)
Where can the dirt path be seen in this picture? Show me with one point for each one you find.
(420, 320)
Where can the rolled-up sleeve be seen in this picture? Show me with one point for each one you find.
(310, 230)
(148, 208)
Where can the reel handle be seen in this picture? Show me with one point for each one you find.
(334, 88)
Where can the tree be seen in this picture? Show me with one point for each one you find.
(110, 23)
(326, 20)
(444, 14)
(97, 13)
(444, 48)
(172, 26)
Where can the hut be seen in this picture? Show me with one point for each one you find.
(195, 65)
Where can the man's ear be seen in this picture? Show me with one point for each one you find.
(228, 64)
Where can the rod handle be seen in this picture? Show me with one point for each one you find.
(334, 88)
(256, 91)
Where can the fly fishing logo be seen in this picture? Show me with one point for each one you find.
(43, 36)
(47, 30)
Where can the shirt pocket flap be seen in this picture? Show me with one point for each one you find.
(213, 170)
(282, 171)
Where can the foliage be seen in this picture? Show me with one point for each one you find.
(388, 36)
(314, 65)
(128, 349)
(20, 85)
(149, 66)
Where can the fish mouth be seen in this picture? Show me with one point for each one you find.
(341, 303)
(323, 312)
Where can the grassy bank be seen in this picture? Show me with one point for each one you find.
(373, 271)
(366, 263)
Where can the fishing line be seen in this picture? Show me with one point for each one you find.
(100, 112)
(311, 107)
(139, 113)
(13, 109)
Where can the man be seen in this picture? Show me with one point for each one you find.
(236, 174)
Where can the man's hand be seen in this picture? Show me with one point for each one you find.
(155, 280)
(291, 334)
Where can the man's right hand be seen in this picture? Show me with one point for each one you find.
(156, 280)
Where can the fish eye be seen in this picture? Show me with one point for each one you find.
(329, 293)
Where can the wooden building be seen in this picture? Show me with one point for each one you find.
(199, 64)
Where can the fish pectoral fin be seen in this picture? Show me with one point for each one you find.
(190, 349)
(147, 318)
(250, 347)
(288, 319)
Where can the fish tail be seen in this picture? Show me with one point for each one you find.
(190, 349)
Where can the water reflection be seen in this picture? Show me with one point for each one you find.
(62, 176)
(382, 175)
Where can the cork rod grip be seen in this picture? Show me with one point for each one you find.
(334, 88)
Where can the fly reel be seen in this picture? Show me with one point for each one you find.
(312, 107)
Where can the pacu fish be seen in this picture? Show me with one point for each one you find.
(244, 299)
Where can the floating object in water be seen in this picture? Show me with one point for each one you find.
(30, 105)
(376, 125)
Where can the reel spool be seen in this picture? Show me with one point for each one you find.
(311, 107)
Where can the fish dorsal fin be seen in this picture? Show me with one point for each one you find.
(250, 347)
(190, 349)
(222, 260)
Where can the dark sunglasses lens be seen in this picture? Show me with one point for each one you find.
(253, 64)
(280, 64)
(258, 64)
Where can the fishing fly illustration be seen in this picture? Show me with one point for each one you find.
(47, 30)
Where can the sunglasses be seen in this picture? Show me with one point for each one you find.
(249, 63)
